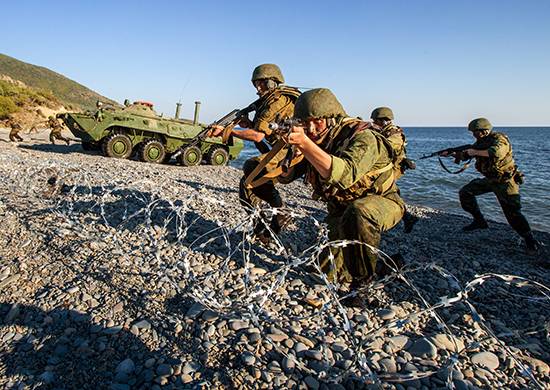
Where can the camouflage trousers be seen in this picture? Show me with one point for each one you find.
(56, 134)
(253, 197)
(507, 194)
(363, 220)
(14, 135)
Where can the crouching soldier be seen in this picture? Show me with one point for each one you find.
(351, 169)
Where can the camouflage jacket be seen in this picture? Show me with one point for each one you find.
(396, 138)
(277, 104)
(54, 125)
(361, 164)
(500, 164)
(13, 125)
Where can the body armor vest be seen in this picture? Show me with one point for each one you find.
(380, 180)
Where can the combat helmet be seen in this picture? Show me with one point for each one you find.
(382, 113)
(268, 71)
(318, 103)
(480, 124)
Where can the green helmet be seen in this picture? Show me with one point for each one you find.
(268, 71)
(480, 124)
(318, 103)
(382, 113)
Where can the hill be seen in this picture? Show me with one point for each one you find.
(41, 80)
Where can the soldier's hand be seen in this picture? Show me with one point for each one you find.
(297, 136)
(470, 152)
(446, 154)
(245, 123)
(215, 130)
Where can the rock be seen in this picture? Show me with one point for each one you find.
(190, 368)
(210, 315)
(537, 365)
(386, 314)
(447, 342)
(277, 338)
(313, 354)
(423, 348)
(397, 343)
(288, 364)
(164, 370)
(486, 359)
(388, 365)
(47, 377)
(237, 325)
(194, 311)
(311, 382)
(72, 290)
(12, 313)
(126, 366)
(248, 359)
(142, 324)
(186, 378)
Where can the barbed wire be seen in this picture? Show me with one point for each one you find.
(63, 188)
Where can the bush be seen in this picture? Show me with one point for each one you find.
(7, 107)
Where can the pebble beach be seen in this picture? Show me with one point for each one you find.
(117, 274)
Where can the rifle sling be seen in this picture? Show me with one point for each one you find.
(464, 167)
(274, 174)
(280, 144)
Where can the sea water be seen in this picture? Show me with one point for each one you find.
(429, 185)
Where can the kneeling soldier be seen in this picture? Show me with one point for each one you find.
(351, 169)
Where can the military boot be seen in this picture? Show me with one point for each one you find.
(478, 223)
(409, 220)
(532, 246)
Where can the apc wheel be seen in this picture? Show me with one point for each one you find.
(217, 156)
(117, 146)
(152, 151)
(190, 156)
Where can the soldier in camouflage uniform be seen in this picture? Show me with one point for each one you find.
(56, 129)
(15, 127)
(494, 159)
(276, 102)
(382, 118)
(351, 169)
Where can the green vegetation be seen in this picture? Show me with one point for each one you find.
(44, 81)
(13, 97)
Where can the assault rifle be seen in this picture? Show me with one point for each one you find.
(459, 156)
(283, 129)
(458, 151)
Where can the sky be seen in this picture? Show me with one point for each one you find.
(435, 63)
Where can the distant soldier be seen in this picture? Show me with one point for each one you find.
(494, 159)
(383, 123)
(276, 102)
(15, 127)
(56, 129)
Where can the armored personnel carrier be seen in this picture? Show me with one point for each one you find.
(136, 129)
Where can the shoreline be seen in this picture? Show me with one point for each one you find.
(120, 274)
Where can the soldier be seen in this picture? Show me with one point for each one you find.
(351, 169)
(15, 127)
(494, 159)
(276, 102)
(56, 129)
(382, 118)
